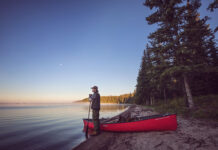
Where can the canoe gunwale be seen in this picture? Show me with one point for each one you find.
(141, 118)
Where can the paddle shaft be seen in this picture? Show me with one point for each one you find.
(87, 127)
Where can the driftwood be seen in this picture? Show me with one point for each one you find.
(132, 114)
(117, 117)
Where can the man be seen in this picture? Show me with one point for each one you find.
(95, 99)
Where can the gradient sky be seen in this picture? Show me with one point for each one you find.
(55, 50)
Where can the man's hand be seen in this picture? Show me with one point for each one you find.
(90, 97)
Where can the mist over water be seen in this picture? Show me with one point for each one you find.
(42, 127)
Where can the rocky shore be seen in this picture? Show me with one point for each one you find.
(191, 134)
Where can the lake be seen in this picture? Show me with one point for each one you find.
(43, 127)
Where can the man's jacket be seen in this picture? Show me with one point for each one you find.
(95, 98)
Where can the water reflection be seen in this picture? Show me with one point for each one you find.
(46, 126)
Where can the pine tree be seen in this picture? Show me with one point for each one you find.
(142, 95)
(164, 41)
(197, 40)
(181, 49)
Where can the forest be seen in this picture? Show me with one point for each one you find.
(181, 56)
(121, 99)
(180, 60)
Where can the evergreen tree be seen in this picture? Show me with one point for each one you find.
(197, 41)
(142, 95)
(165, 43)
(182, 49)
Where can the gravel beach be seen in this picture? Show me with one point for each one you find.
(191, 134)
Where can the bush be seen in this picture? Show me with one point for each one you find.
(206, 107)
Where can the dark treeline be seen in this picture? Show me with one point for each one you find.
(124, 98)
(181, 58)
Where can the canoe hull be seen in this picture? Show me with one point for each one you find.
(164, 123)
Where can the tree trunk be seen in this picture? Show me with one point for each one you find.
(149, 101)
(165, 99)
(188, 92)
(152, 101)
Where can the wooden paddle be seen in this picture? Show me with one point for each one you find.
(87, 127)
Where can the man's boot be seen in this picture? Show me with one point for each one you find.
(94, 133)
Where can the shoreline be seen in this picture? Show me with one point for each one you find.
(190, 134)
(102, 103)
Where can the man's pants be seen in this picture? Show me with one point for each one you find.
(95, 118)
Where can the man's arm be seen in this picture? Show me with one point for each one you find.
(93, 97)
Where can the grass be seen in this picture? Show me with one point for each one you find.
(206, 107)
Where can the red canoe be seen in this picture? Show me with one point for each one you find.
(148, 123)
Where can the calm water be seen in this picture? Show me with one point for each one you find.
(44, 127)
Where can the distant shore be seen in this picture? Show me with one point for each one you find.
(190, 134)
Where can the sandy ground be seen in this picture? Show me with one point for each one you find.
(191, 134)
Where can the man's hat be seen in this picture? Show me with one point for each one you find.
(94, 87)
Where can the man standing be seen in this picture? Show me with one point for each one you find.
(95, 99)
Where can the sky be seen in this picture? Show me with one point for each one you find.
(55, 50)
